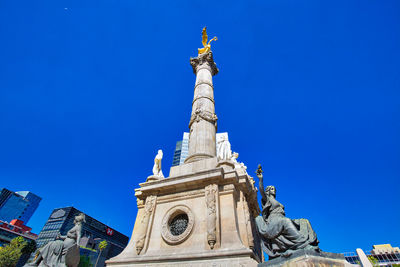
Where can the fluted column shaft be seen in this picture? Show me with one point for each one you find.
(203, 121)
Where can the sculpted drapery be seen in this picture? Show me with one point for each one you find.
(54, 253)
(281, 236)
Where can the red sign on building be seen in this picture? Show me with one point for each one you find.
(110, 231)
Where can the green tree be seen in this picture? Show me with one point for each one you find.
(10, 254)
(29, 247)
(85, 261)
(102, 245)
(374, 261)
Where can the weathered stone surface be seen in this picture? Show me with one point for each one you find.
(215, 233)
(227, 165)
(193, 167)
(308, 258)
(223, 260)
(203, 120)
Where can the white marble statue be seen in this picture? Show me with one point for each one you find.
(224, 149)
(157, 171)
(235, 155)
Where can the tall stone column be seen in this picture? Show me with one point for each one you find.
(203, 121)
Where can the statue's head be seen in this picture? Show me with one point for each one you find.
(160, 152)
(79, 219)
(270, 190)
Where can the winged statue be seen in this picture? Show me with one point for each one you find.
(207, 46)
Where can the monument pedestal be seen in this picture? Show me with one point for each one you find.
(201, 219)
(203, 214)
(308, 258)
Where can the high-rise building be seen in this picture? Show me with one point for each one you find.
(33, 204)
(61, 221)
(17, 205)
(182, 148)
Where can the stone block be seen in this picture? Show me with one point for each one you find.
(227, 165)
(193, 167)
(308, 258)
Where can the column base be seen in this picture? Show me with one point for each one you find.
(227, 258)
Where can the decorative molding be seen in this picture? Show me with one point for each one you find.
(204, 82)
(198, 156)
(211, 201)
(228, 187)
(168, 217)
(144, 222)
(203, 96)
(180, 196)
(204, 61)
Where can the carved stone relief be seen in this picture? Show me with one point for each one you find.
(201, 114)
(211, 202)
(144, 222)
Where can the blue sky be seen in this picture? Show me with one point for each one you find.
(89, 91)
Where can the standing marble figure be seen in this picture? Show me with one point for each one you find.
(157, 165)
(281, 236)
(64, 251)
(224, 149)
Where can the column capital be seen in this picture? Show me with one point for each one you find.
(204, 61)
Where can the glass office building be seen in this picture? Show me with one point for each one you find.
(93, 232)
(182, 148)
(33, 204)
(17, 205)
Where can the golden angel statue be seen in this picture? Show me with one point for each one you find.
(207, 46)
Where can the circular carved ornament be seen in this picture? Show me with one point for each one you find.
(166, 223)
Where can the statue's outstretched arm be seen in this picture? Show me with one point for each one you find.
(213, 39)
(261, 184)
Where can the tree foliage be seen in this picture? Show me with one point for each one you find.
(373, 260)
(29, 247)
(10, 254)
(85, 261)
(103, 244)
